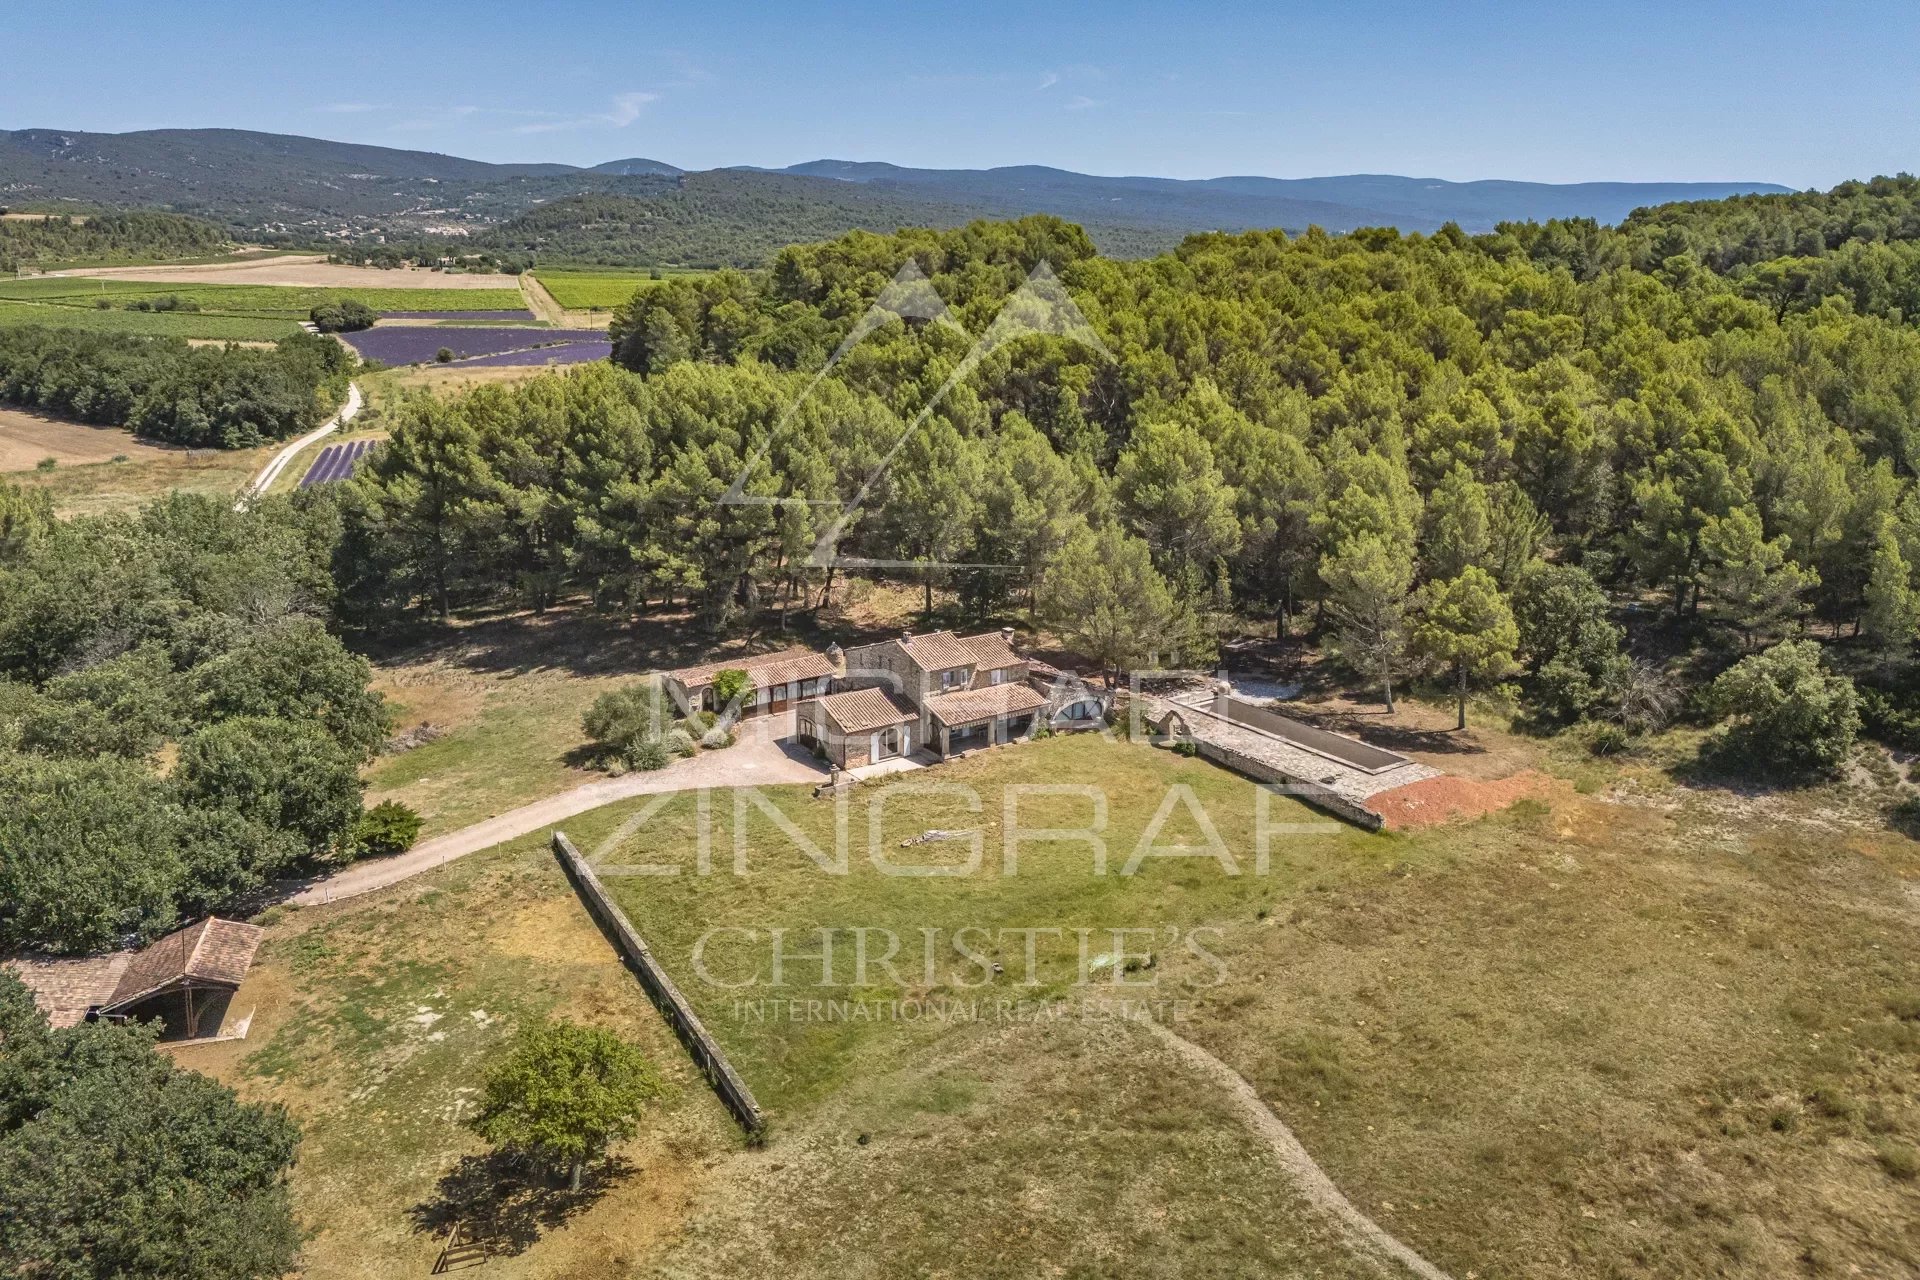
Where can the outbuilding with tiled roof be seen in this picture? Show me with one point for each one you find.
(184, 979)
(780, 679)
(858, 726)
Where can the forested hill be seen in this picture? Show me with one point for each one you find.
(113, 237)
(720, 219)
(295, 187)
(1339, 203)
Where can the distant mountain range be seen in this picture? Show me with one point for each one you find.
(267, 183)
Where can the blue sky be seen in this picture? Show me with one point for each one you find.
(1559, 92)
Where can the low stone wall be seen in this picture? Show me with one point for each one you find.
(1314, 794)
(660, 989)
(1315, 778)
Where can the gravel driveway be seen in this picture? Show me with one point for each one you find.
(763, 756)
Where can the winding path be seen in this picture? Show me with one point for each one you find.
(1313, 1181)
(259, 485)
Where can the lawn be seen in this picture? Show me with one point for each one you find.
(1626, 1029)
(1637, 1032)
(178, 324)
(978, 1148)
(598, 290)
(498, 703)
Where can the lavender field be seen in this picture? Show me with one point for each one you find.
(521, 314)
(412, 344)
(581, 352)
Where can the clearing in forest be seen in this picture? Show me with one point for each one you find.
(27, 438)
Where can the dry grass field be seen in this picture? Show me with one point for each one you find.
(1622, 1029)
(26, 438)
(297, 269)
(97, 487)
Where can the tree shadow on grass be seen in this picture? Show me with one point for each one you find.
(507, 1203)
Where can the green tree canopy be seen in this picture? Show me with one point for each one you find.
(114, 1162)
(564, 1093)
(1467, 628)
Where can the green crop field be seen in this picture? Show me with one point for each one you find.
(179, 324)
(259, 300)
(599, 290)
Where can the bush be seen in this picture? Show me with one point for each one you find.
(1606, 739)
(386, 829)
(444, 355)
(46, 464)
(621, 719)
(698, 722)
(733, 691)
(680, 742)
(343, 317)
(1892, 718)
(649, 755)
(716, 739)
(1900, 1161)
(1788, 709)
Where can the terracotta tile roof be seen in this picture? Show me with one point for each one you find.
(990, 651)
(66, 988)
(936, 651)
(861, 710)
(216, 951)
(970, 705)
(767, 669)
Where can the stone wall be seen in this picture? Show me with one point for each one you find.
(660, 989)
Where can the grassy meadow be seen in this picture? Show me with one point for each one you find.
(1626, 1028)
(597, 290)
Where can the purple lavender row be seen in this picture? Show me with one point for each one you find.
(456, 315)
(336, 462)
(581, 352)
(413, 344)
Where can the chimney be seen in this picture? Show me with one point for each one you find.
(1006, 634)
(906, 637)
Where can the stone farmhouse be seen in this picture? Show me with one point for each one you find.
(937, 693)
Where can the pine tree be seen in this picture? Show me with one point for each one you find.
(1891, 618)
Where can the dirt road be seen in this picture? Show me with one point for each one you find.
(758, 759)
(271, 472)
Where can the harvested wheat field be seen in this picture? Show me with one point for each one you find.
(312, 270)
(28, 438)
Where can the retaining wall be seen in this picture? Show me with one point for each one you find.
(660, 988)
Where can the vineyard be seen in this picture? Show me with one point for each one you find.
(601, 291)
(260, 300)
(177, 324)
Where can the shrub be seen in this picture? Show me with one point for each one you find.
(716, 738)
(1788, 709)
(1606, 739)
(386, 829)
(1891, 718)
(648, 755)
(46, 464)
(622, 718)
(1900, 1161)
(680, 742)
(343, 317)
(698, 722)
(444, 355)
(732, 691)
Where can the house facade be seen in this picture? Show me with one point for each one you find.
(965, 692)
(780, 680)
